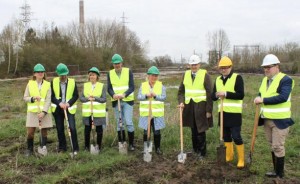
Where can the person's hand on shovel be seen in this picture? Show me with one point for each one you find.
(91, 98)
(221, 94)
(258, 100)
(181, 105)
(36, 98)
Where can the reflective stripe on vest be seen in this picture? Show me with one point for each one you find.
(120, 84)
(34, 91)
(229, 105)
(98, 108)
(69, 93)
(276, 111)
(194, 90)
(157, 107)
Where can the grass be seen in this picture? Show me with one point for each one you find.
(107, 167)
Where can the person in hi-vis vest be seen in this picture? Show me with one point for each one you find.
(194, 96)
(230, 87)
(38, 97)
(120, 85)
(275, 113)
(94, 93)
(152, 88)
(64, 97)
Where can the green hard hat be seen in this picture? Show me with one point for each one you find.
(62, 69)
(39, 68)
(153, 70)
(94, 70)
(116, 59)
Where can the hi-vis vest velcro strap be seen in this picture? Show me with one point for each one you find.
(275, 111)
(194, 90)
(34, 91)
(69, 93)
(99, 109)
(229, 105)
(121, 84)
(157, 107)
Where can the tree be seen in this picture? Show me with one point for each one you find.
(218, 43)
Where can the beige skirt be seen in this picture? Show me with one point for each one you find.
(33, 121)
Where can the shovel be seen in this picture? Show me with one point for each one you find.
(41, 150)
(256, 119)
(148, 143)
(69, 132)
(181, 156)
(122, 145)
(221, 150)
(94, 149)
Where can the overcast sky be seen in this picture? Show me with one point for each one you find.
(176, 27)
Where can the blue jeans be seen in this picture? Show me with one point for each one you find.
(126, 114)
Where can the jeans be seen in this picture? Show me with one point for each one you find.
(126, 116)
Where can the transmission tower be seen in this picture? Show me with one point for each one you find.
(26, 14)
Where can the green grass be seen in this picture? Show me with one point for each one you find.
(59, 168)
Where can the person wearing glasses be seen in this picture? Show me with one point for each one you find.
(230, 87)
(275, 100)
(194, 95)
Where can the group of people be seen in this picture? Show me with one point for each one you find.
(195, 96)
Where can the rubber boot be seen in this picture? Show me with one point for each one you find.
(280, 167)
(131, 141)
(99, 140)
(29, 150)
(124, 135)
(272, 174)
(87, 139)
(229, 151)
(119, 136)
(241, 156)
(157, 139)
(201, 138)
(44, 141)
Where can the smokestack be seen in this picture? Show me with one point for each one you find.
(81, 13)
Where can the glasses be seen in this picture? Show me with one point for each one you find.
(268, 67)
(225, 67)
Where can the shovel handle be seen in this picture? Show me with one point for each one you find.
(120, 115)
(181, 129)
(149, 119)
(221, 119)
(256, 119)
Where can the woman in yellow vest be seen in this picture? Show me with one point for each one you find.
(153, 89)
(230, 87)
(38, 97)
(93, 105)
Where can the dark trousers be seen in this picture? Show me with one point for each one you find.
(60, 127)
(234, 133)
(87, 133)
(199, 141)
(156, 132)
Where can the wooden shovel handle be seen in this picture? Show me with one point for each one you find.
(149, 119)
(221, 119)
(256, 119)
(181, 129)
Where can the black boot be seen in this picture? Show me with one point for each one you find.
(272, 173)
(194, 142)
(131, 141)
(87, 134)
(201, 138)
(157, 139)
(44, 141)
(280, 167)
(29, 150)
(119, 136)
(99, 140)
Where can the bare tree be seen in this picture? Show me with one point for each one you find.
(218, 42)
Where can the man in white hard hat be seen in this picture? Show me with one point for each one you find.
(275, 100)
(194, 95)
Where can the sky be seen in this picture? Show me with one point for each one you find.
(175, 27)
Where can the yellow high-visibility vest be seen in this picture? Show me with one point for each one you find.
(276, 111)
(120, 84)
(229, 105)
(157, 107)
(194, 90)
(34, 91)
(98, 108)
(69, 93)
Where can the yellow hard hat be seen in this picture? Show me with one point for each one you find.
(225, 61)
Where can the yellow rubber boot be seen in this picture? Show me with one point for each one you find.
(241, 156)
(229, 151)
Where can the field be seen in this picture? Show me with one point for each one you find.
(111, 167)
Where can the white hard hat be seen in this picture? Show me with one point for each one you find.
(194, 59)
(270, 59)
